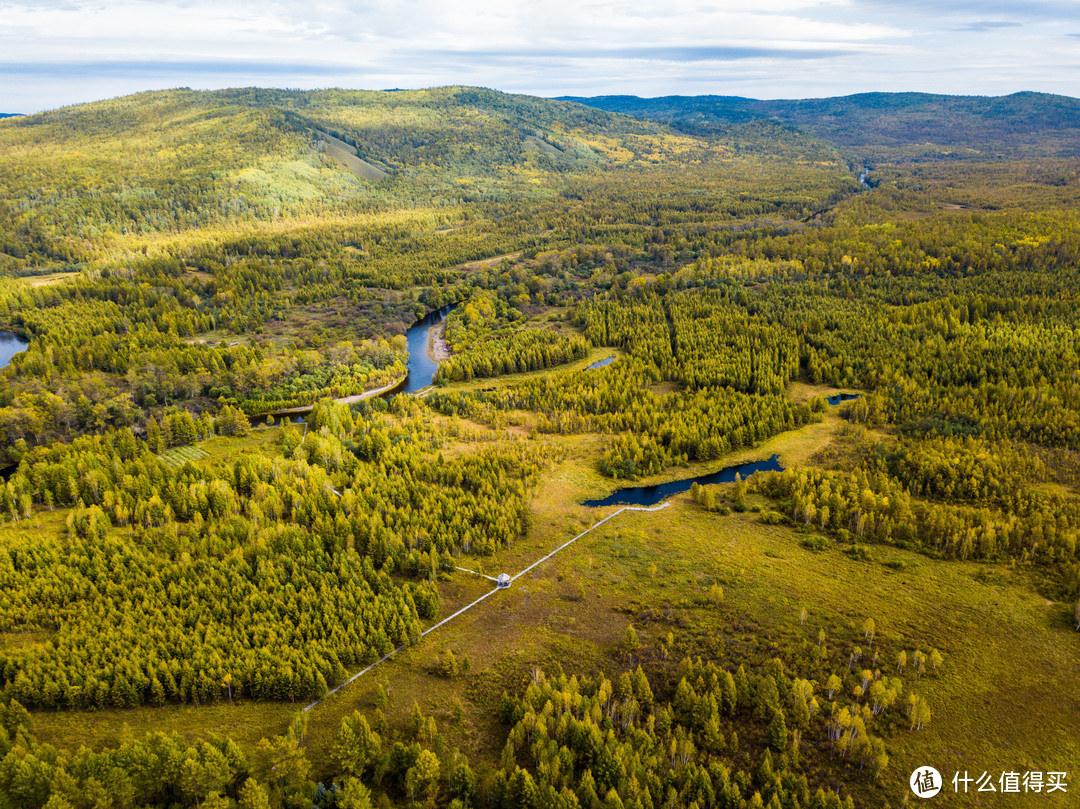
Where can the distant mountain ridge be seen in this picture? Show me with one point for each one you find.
(876, 126)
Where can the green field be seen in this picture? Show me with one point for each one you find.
(178, 456)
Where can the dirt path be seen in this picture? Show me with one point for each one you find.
(487, 262)
(359, 397)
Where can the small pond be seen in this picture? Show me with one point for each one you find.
(651, 495)
(842, 397)
(601, 363)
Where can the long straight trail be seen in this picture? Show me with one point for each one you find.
(486, 595)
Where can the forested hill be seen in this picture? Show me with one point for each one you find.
(880, 126)
(178, 160)
(90, 181)
(458, 131)
(276, 142)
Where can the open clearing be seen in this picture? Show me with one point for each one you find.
(52, 278)
(346, 155)
(178, 456)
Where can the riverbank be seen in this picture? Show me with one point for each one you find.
(427, 348)
(437, 348)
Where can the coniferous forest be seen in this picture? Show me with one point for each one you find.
(220, 504)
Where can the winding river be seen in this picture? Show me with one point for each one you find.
(421, 367)
(10, 345)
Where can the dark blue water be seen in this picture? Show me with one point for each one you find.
(10, 345)
(651, 495)
(842, 397)
(601, 363)
(420, 366)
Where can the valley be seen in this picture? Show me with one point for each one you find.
(851, 398)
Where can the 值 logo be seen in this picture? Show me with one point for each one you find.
(926, 782)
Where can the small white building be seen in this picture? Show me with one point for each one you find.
(503, 580)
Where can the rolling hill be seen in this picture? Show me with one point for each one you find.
(82, 182)
(181, 159)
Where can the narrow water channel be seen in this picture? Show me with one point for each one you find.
(651, 495)
(601, 363)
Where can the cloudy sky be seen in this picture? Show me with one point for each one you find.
(57, 52)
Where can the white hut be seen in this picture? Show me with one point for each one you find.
(503, 580)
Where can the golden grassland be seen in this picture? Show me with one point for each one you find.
(1001, 701)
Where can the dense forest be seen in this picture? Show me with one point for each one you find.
(247, 556)
(185, 266)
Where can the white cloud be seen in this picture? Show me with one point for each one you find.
(68, 51)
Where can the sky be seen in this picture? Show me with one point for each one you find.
(59, 52)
